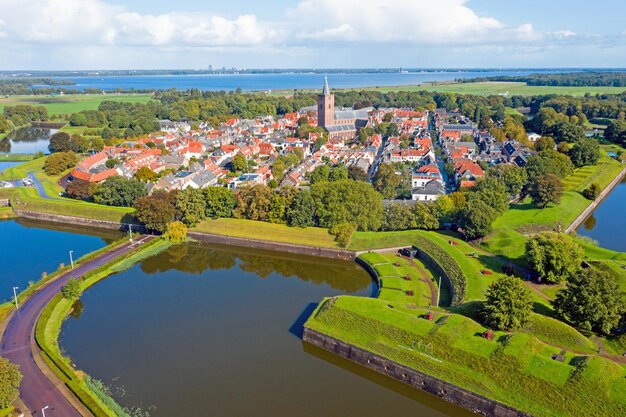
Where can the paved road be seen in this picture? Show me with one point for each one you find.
(36, 390)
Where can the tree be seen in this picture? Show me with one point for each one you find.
(555, 256)
(348, 201)
(253, 203)
(239, 164)
(386, 181)
(145, 174)
(79, 143)
(191, 206)
(616, 132)
(548, 189)
(59, 162)
(278, 169)
(343, 233)
(60, 142)
(319, 174)
(10, 379)
(592, 301)
(567, 132)
(476, 217)
(220, 202)
(301, 213)
(79, 189)
(585, 152)
(119, 191)
(548, 162)
(508, 304)
(156, 211)
(176, 232)
(493, 192)
(110, 163)
(398, 216)
(545, 143)
(357, 174)
(392, 130)
(512, 177)
(592, 192)
(71, 290)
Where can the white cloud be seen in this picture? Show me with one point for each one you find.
(95, 22)
(440, 22)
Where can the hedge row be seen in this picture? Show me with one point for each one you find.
(441, 261)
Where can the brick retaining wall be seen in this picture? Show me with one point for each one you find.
(274, 246)
(442, 389)
(76, 221)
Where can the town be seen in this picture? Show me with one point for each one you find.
(445, 150)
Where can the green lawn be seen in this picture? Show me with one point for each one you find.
(15, 157)
(496, 88)
(72, 103)
(516, 370)
(21, 171)
(310, 236)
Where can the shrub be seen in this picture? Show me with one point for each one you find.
(71, 290)
(343, 233)
(592, 192)
(59, 162)
(10, 378)
(508, 304)
(444, 264)
(176, 232)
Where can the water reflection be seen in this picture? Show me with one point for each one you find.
(195, 258)
(590, 222)
(27, 140)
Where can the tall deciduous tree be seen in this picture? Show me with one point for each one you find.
(508, 304)
(585, 152)
(156, 211)
(119, 191)
(592, 301)
(555, 256)
(386, 181)
(191, 206)
(548, 189)
(476, 217)
(220, 202)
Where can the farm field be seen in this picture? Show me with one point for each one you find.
(71, 103)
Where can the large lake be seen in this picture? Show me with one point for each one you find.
(27, 140)
(28, 248)
(607, 224)
(287, 81)
(204, 330)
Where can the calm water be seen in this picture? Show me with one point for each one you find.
(249, 82)
(27, 140)
(6, 165)
(28, 248)
(607, 224)
(214, 331)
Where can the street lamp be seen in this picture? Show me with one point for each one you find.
(15, 297)
(43, 412)
(130, 232)
(71, 259)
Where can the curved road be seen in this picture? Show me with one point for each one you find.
(36, 390)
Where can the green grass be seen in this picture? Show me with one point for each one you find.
(21, 171)
(379, 240)
(71, 103)
(497, 88)
(15, 157)
(516, 370)
(310, 236)
(510, 230)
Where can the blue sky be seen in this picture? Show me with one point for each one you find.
(115, 34)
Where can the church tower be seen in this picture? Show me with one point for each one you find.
(325, 107)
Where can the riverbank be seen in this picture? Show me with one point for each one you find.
(442, 351)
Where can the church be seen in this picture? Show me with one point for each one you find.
(340, 123)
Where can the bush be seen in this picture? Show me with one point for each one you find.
(176, 232)
(508, 304)
(10, 378)
(444, 264)
(555, 256)
(343, 233)
(71, 290)
(592, 192)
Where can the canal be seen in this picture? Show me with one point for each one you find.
(215, 331)
(27, 140)
(607, 223)
(28, 248)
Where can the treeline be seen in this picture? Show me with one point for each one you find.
(22, 114)
(572, 79)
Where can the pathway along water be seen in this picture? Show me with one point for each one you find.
(607, 224)
(214, 330)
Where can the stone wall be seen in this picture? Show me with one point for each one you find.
(580, 219)
(451, 393)
(77, 221)
(275, 246)
(437, 269)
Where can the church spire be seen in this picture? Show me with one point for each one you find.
(326, 89)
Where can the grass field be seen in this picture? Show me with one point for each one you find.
(15, 157)
(71, 103)
(497, 88)
(310, 236)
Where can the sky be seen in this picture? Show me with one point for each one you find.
(162, 34)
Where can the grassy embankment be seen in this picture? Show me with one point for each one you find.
(88, 391)
(68, 104)
(15, 157)
(514, 368)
